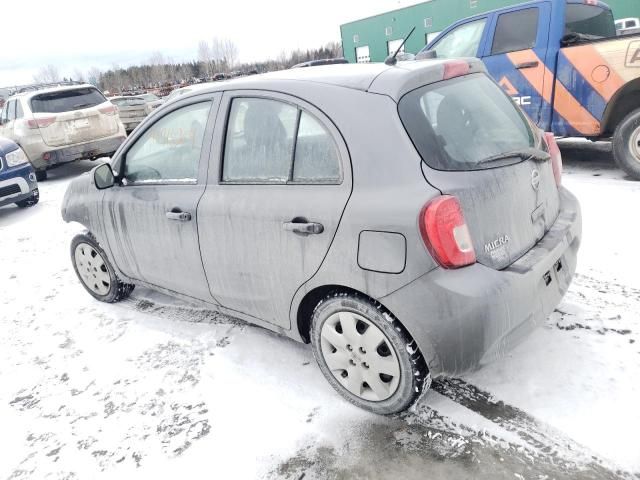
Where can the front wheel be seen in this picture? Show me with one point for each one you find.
(366, 354)
(626, 145)
(95, 271)
(41, 175)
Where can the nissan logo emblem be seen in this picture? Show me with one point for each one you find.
(535, 179)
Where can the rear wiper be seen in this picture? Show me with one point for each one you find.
(524, 154)
(82, 105)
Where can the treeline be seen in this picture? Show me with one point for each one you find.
(218, 58)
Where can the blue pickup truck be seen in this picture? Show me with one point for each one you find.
(562, 61)
(17, 178)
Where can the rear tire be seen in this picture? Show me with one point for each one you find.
(31, 201)
(366, 354)
(626, 145)
(96, 272)
(41, 175)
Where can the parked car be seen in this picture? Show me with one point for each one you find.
(17, 178)
(61, 124)
(626, 26)
(131, 110)
(564, 64)
(152, 100)
(419, 232)
(323, 61)
(184, 90)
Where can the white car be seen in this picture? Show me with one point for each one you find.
(61, 123)
(626, 26)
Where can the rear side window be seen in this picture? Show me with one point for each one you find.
(516, 31)
(459, 124)
(66, 100)
(269, 141)
(589, 20)
(11, 111)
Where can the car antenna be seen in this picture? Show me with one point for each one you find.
(391, 60)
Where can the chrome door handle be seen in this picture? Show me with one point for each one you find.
(523, 65)
(178, 215)
(310, 228)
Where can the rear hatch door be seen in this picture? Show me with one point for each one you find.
(71, 116)
(479, 146)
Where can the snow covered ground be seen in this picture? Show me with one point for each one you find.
(156, 388)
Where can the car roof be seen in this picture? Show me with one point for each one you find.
(61, 88)
(393, 81)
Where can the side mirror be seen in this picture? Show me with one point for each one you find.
(103, 177)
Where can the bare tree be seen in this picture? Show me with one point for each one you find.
(205, 58)
(225, 52)
(48, 74)
(158, 71)
(78, 76)
(93, 75)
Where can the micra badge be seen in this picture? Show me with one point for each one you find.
(497, 243)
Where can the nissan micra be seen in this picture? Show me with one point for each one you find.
(407, 221)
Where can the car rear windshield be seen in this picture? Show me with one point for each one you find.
(128, 102)
(590, 20)
(66, 100)
(460, 124)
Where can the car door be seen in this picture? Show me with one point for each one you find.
(273, 207)
(515, 57)
(151, 218)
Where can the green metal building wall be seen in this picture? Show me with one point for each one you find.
(437, 14)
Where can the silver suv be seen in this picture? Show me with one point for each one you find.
(407, 221)
(60, 124)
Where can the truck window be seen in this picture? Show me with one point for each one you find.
(589, 20)
(462, 41)
(516, 31)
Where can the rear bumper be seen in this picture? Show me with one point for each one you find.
(19, 186)
(466, 317)
(52, 156)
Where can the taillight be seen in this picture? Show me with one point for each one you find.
(110, 110)
(40, 122)
(455, 68)
(556, 156)
(445, 232)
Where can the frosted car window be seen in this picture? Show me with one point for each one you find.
(462, 41)
(459, 123)
(259, 141)
(316, 158)
(170, 149)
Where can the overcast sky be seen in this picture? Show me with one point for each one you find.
(79, 34)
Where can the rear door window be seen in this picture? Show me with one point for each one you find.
(460, 124)
(463, 41)
(66, 100)
(269, 141)
(11, 110)
(516, 31)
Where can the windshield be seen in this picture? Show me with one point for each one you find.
(66, 100)
(149, 97)
(459, 124)
(589, 20)
(128, 101)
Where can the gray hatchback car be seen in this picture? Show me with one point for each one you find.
(408, 221)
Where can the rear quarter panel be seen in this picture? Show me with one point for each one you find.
(592, 74)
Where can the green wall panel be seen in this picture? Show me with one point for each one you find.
(372, 31)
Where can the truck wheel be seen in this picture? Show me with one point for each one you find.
(41, 175)
(31, 201)
(626, 144)
(96, 272)
(366, 354)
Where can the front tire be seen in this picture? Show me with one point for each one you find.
(626, 145)
(96, 272)
(366, 354)
(41, 175)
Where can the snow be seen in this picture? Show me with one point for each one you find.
(157, 388)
